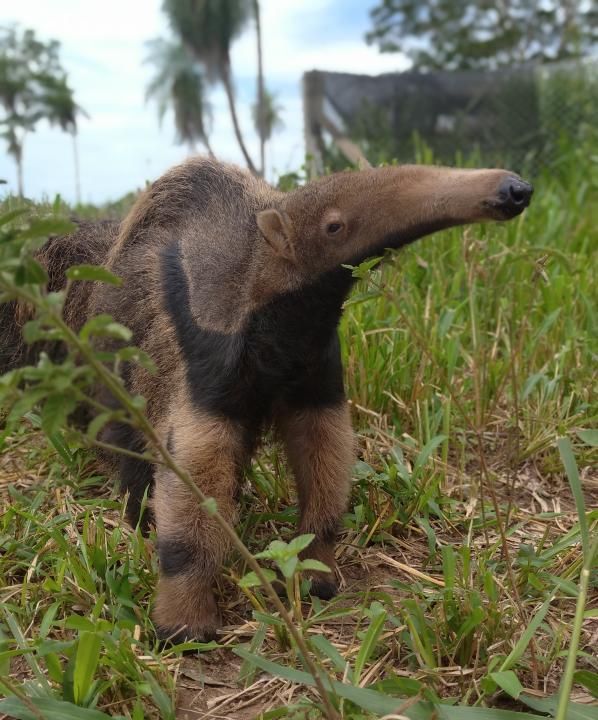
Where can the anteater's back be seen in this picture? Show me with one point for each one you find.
(89, 245)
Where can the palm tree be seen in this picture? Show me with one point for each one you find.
(267, 119)
(208, 28)
(15, 148)
(60, 108)
(17, 96)
(179, 81)
(260, 122)
(33, 87)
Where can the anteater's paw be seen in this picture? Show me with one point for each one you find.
(185, 612)
(184, 633)
(323, 587)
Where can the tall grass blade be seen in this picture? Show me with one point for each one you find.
(566, 452)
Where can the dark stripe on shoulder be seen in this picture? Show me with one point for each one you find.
(288, 350)
(212, 358)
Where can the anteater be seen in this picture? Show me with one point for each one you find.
(235, 290)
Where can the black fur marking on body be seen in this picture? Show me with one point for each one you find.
(324, 589)
(288, 350)
(135, 476)
(176, 556)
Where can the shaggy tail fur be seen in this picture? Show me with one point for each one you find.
(89, 244)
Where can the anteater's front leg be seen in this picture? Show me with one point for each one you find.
(191, 545)
(320, 447)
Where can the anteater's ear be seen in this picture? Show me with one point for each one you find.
(278, 232)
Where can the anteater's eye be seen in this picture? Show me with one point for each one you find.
(334, 228)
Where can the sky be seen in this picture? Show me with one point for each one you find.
(121, 144)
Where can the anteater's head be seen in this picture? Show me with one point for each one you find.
(347, 217)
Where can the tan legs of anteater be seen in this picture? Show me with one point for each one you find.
(191, 546)
(320, 449)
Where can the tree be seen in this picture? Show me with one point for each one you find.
(208, 28)
(471, 34)
(62, 110)
(266, 119)
(33, 86)
(260, 106)
(179, 81)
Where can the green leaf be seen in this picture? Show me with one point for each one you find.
(472, 621)
(62, 449)
(210, 506)
(43, 227)
(288, 565)
(22, 643)
(427, 451)
(86, 662)
(363, 269)
(32, 330)
(311, 564)
(31, 273)
(566, 452)
(55, 411)
(381, 704)
(4, 655)
(300, 543)
(588, 679)
(78, 622)
(164, 703)
(105, 326)
(589, 437)
(449, 568)
(509, 682)
(575, 711)
(526, 636)
(324, 645)
(93, 273)
(368, 645)
(247, 670)
(94, 427)
(48, 619)
(11, 215)
(54, 667)
(252, 580)
(134, 354)
(297, 676)
(51, 709)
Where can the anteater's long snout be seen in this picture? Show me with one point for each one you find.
(512, 197)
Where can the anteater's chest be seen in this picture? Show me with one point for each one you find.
(247, 376)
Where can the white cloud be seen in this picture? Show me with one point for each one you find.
(121, 145)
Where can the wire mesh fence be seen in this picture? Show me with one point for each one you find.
(520, 115)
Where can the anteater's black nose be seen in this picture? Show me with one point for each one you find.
(514, 194)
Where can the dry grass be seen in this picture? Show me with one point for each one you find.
(374, 566)
(467, 357)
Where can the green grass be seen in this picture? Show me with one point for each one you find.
(468, 357)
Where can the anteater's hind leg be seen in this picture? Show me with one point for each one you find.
(320, 448)
(191, 545)
(135, 476)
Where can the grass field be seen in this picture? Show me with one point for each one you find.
(471, 364)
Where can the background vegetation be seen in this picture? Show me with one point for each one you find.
(470, 367)
(468, 555)
(478, 34)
